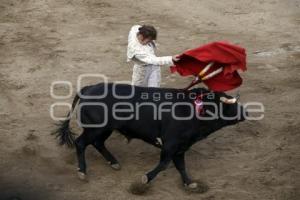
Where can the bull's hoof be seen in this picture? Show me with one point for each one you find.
(82, 176)
(138, 188)
(196, 187)
(193, 185)
(145, 179)
(115, 166)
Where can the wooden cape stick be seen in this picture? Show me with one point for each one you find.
(199, 78)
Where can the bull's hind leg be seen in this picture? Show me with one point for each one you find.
(81, 143)
(100, 146)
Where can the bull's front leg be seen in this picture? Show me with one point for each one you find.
(165, 159)
(180, 166)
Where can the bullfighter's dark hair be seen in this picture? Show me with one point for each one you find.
(148, 31)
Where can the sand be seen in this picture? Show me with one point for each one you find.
(42, 41)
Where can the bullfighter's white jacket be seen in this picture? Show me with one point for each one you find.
(146, 70)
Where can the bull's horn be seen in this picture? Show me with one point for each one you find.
(229, 101)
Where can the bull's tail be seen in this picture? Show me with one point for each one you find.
(63, 133)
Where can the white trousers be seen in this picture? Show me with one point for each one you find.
(146, 76)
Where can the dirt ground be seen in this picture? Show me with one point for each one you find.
(42, 41)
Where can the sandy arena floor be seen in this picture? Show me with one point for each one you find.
(46, 40)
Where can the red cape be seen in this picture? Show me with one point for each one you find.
(223, 54)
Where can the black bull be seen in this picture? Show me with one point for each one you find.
(163, 117)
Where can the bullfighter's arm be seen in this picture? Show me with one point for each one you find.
(154, 60)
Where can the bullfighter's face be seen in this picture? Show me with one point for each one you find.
(144, 40)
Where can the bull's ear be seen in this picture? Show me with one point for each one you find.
(237, 96)
(228, 101)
